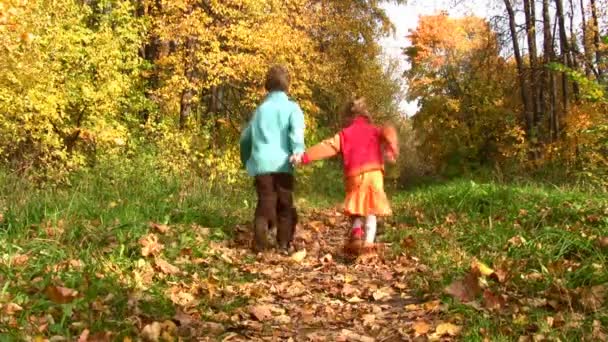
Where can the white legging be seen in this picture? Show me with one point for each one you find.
(370, 227)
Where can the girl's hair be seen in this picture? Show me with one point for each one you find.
(277, 79)
(353, 108)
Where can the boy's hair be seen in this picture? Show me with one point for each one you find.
(353, 108)
(277, 79)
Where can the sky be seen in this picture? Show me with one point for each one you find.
(405, 17)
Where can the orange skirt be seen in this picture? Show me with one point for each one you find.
(365, 195)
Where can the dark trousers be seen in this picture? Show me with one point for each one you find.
(274, 209)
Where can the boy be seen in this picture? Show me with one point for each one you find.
(275, 132)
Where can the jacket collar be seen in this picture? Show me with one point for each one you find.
(277, 95)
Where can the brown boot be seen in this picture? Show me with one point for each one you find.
(260, 231)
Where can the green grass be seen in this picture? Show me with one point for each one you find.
(96, 223)
(85, 236)
(455, 222)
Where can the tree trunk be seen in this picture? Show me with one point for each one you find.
(530, 14)
(573, 49)
(585, 49)
(549, 56)
(185, 104)
(528, 113)
(596, 39)
(564, 50)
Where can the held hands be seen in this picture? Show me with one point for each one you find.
(296, 159)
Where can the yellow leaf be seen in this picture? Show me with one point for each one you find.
(298, 256)
(448, 329)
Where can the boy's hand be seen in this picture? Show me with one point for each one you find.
(296, 159)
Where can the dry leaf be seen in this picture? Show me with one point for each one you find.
(382, 293)
(11, 308)
(316, 225)
(466, 289)
(84, 336)
(261, 312)
(298, 256)
(408, 242)
(369, 320)
(165, 266)
(183, 318)
(499, 275)
(161, 228)
(354, 337)
(517, 241)
(60, 294)
(492, 301)
(421, 327)
(327, 258)
(20, 259)
(448, 329)
(151, 332)
(592, 298)
(484, 269)
(150, 245)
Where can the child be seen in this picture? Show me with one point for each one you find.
(275, 132)
(361, 145)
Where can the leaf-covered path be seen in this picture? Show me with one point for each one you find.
(319, 294)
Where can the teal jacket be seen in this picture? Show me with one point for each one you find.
(275, 132)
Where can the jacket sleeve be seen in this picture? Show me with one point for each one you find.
(323, 150)
(296, 133)
(245, 143)
(391, 142)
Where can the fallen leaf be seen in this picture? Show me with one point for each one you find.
(448, 329)
(484, 269)
(598, 332)
(151, 332)
(150, 245)
(466, 289)
(11, 308)
(369, 319)
(592, 298)
(183, 318)
(421, 327)
(261, 312)
(499, 275)
(20, 259)
(492, 301)
(316, 225)
(382, 293)
(298, 256)
(165, 266)
(408, 242)
(161, 228)
(60, 294)
(354, 337)
(84, 336)
(355, 299)
(326, 259)
(517, 241)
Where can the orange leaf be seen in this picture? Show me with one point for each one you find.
(61, 295)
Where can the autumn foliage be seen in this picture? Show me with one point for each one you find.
(95, 82)
(483, 103)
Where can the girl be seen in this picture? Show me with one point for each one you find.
(361, 145)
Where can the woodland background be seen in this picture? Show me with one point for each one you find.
(87, 83)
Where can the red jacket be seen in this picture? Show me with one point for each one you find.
(360, 144)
